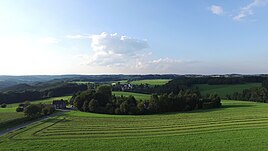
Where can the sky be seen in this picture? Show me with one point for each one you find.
(54, 37)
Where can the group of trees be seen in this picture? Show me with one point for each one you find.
(33, 111)
(258, 94)
(35, 94)
(102, 101)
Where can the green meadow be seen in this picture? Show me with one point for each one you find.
(151, 81)
(237, 125)
(9, 116)
(138, 96)
(224, 89)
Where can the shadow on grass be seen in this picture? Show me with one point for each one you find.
(237, 105)
(222, 108)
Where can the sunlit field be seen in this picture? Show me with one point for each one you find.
(151, 81)
(10, 118)
(224, 89)
(236, 126)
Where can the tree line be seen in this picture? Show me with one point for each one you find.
(258, 94)
(184, 83)
(101, 100)
(35, 94)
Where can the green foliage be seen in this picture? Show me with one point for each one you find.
(265, 83)
(40, 92)
(19, 109)
(224, 89)
(37, 110)
(93, 105)
(47, 109)
(33, 111)
(3, 105)
(254, 94)
(101, 101)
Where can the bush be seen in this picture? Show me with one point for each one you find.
(48, 109)
(33, 111)
(3, 105)
(19, 109)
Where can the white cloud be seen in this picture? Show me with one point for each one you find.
(115, 50)
(122, 54)
(248, 10)
(215, 9)
(48, 40)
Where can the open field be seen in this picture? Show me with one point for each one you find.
(224, 89)
(47, 101)
(9, 116)
(151, 81)
(236, 126)
(138, 96)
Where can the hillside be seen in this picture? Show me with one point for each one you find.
(223, 89)
(237, 126)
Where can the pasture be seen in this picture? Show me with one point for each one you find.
(9, 116)
(236, 126)
(138, 96)
(151, 81)
(224, 89)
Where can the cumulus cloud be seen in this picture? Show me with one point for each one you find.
(217, 10)
(124, 54)
(248, 10)
(116, 50)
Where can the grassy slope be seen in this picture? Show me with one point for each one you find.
(138, 96)
(223, 90)
(9, 116)
(236, 126)
(151, 82)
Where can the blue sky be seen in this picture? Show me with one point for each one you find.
(133, 36)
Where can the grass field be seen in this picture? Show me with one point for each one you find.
(9, 116)
(236, 126)
(151, 82)
(223, 90)
(138, 96)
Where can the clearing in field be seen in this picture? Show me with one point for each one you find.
(151, 81)
(138, 96)
(236, 126)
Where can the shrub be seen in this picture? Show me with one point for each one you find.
(19, 109)
(3, 105)
(48, 109)
(33, 111)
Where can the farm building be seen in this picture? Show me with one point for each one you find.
(59, 104)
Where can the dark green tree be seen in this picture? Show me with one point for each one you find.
(33, 111)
